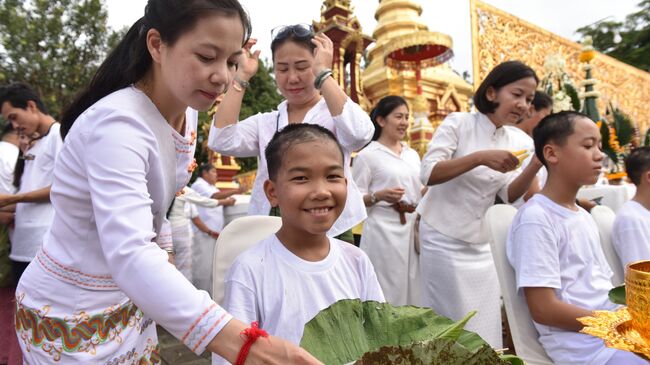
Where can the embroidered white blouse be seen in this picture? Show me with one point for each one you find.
(109, 182)
(377, 167)
(455, 208)
(249, 137)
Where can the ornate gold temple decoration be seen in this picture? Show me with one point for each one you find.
(498, 36)
(343, 28)
(399, 27)
(227, 166)
(616, 329)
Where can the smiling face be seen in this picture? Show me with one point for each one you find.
(201, 63)
(395, 125)
(310, 188)
(579, 159)
(514, 101)
(292, 66)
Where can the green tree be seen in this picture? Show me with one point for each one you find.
(627, 41)
(54, 45)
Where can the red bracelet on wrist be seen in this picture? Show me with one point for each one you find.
(251, 334)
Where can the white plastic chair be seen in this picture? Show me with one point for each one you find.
(235, 238)
(524, 335)
(604, 217)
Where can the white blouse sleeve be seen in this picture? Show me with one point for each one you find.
(442, 146)
(193, 197)
(239, 140)
(361, 174)
(353, 127)
(117, 162)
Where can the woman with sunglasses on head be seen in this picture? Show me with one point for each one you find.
(302, 64)
(101, 276)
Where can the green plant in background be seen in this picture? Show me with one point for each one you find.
(379, 333)
(646, 140)
(558, 85)
(53, 45)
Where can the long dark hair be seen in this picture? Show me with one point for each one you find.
(384, 107)
(130, 60)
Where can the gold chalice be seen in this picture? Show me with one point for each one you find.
(637, 292)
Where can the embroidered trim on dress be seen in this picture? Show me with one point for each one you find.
(79, 333)
(74, 276)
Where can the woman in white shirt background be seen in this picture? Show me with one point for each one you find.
(387, 172)
(101, 276)
(467, 164)
(302, 65)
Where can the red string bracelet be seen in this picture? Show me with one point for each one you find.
(251, 334)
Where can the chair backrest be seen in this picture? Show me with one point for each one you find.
(604, 217)
(497, 224)
(235, 238)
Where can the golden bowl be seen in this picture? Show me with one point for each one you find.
(637, 292)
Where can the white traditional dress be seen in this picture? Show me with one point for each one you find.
(248, 138)
(183, 209)
(386, 240)
(101, 276)
(458, 272)
(204, 244)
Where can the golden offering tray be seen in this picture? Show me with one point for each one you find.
(615, 328)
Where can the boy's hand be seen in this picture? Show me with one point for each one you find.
(498, 160)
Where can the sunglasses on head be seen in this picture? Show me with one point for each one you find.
(299, 30)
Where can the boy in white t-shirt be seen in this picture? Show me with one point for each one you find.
(287, 278)
(21, 106)
(631, 231)
(554, 246)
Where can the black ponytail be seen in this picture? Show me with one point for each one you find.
(130, 60)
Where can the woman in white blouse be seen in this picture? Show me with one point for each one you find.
(387, 172)
(469, 161)
(302, 65)
(101, 277)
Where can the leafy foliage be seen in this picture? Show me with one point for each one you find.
(627, 41)
(54, 45)
(349, 330)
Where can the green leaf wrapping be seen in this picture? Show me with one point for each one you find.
(436, 351)
(617, 295)
(349, 328)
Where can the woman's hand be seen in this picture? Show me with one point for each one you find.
(323, 54)
(248, 62)
(273, 350)
(269, 350)
(498, 160)
(227, 202)
(390, 195)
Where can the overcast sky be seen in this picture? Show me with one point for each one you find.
(562, 17)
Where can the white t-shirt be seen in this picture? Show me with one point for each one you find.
(249, 137)
(212, 217)
(555, 247)
(34, 219)
(8, 158)
(269, 284)
(631, 233)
